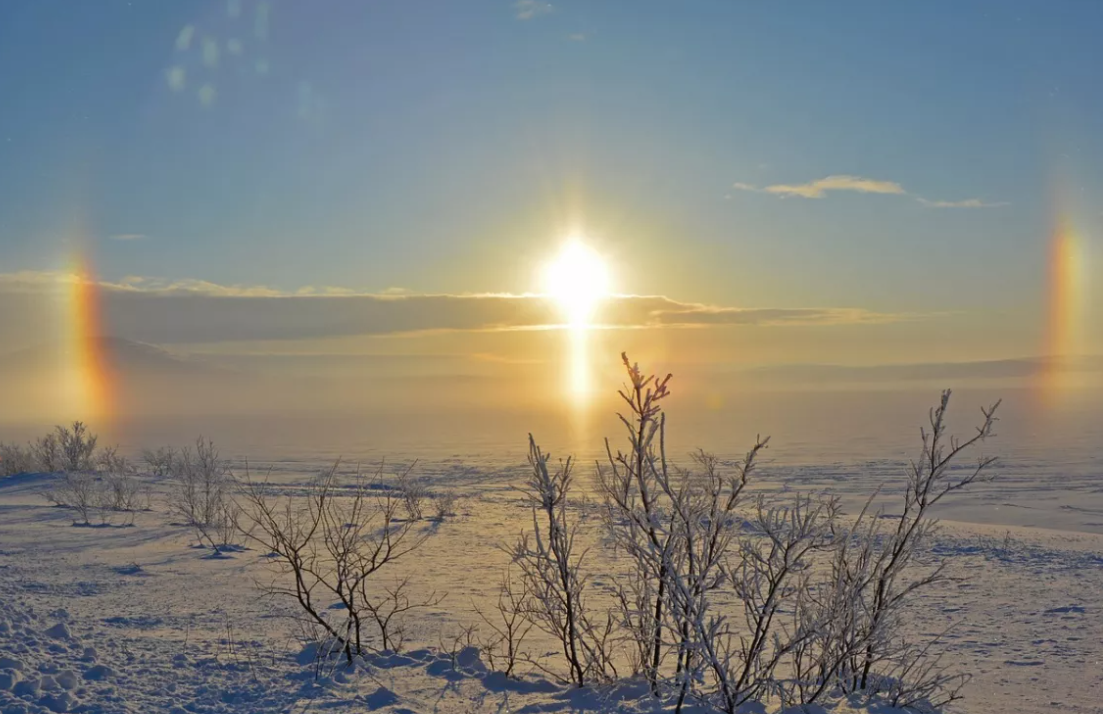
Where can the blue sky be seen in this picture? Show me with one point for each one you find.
(446, 147)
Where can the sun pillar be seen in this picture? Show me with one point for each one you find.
(578, 281)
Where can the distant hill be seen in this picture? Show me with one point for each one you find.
(949, 372)
(145, 378)
(126, 358)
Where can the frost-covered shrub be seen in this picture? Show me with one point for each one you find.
(109, 460)
(76, 447)
(89, 483)
(46, 452)
(551, 572)
(124, 492)
(330, 544)
(82, 491)
(727, 601)
(201, 494)
(112, 487)
(16, 459)
(159, 461)
(66, 448)
(415, 492)
(856, 615)
(509, 625)
(678, 529)
(444, 505)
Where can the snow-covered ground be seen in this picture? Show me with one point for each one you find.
(139, 619)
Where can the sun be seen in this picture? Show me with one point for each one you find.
(578, 279)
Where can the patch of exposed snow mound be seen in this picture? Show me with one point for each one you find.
(98, 673)
(26, 688)
(313, 651)
(60, 631)
(470, 660)
(66, 680)
(56, 702)
(380, 698)
(8, 679)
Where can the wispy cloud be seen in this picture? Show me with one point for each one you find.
(128, 236)
(528, 9)
(967, 203)
(156, 286)
(577, 37)
(685, 314)
(196, 311)
(857, 184)
(819, 187)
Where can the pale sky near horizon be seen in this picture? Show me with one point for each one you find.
(856, 182)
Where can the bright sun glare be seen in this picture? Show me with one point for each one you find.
(578, 279)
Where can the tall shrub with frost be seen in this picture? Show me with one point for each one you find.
(821, 599)
(859, 612)
(551, 571)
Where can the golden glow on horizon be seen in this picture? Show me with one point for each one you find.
(578, 280)
(89, 384)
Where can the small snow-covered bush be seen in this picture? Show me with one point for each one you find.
(330, 545)
(66, 448)
(444, 505)
(159, 461)
(202, 494)
(509, 625)
(111, 487)
(415, 492)
(92, 482)
(388, 609)
(109, 460)
(16, 459)
(82, 491)
(124, 492)
(76, 447)
(46, 452)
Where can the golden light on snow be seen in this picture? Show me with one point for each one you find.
(578, 279)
